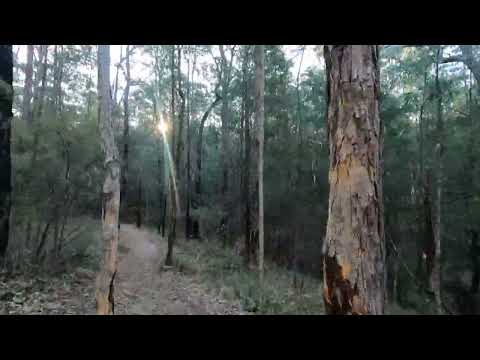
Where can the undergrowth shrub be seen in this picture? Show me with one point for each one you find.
(226, 274)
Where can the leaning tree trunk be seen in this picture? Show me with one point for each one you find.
(6, 100)
(111, 188)
(354, 264)
(259, 120)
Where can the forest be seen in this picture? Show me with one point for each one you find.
(239, 179)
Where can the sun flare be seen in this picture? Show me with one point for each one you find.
(162, 127)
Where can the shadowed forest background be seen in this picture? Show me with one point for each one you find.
(203, 97)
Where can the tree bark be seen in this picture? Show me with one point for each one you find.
(111, 188)
(259, 124)
(6, 101)
(354, 264)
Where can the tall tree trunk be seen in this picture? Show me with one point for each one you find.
(250, 248)
(246, 154)
(259, 123)
(171, 202)
(354, 264)
(181, 119)
(28, 87)
(188, 222)
(6, 101)
(298, 171)
(225, 149)
(111, 188)
(126, 130)
(435, 276)
(423, 191)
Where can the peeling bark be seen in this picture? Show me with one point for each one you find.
(354, 265)
(111, 188)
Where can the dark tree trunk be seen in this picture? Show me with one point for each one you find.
(6, 101)
(435, 268)
(354, 266)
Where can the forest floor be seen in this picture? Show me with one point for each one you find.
(143, 286)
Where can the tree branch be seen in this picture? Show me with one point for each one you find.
(452, 59)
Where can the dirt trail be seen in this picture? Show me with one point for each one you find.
(142, 288)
